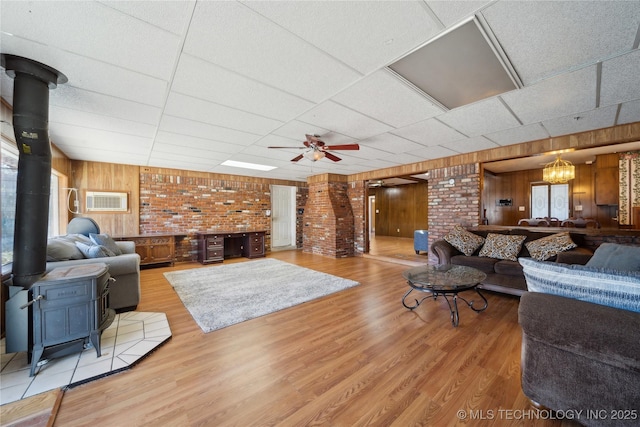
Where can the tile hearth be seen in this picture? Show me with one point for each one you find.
(131, 337)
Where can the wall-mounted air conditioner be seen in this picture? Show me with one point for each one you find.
(107, 201)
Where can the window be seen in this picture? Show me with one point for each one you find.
(8, 180)
(550, 201)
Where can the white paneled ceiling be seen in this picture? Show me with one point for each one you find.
(190, 84)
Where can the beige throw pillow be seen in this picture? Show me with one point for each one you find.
(546, 247)
(502, 246)
(463, 240)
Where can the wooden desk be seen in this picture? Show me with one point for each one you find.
(215, 246)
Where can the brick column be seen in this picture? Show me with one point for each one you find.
(328, 218)
(453, 202)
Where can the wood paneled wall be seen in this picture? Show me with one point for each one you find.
(517, 187)
(403, 208)
(96, 176)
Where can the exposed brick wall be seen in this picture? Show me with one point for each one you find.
(451, 204)
(328, 220)
(357, 191)
(175, 203)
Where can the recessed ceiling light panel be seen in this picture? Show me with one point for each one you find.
(459, 67)
(245, 165)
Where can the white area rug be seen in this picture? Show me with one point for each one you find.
(224, 295)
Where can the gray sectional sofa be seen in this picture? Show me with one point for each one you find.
(124, 293)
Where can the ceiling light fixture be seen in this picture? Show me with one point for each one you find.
(559, 172)
(314, 155)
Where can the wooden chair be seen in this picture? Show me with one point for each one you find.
(543, 223)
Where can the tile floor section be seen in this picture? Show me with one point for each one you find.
(131, 337)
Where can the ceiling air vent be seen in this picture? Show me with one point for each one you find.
(103, 201)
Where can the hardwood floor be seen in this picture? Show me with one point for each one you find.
(355, 358)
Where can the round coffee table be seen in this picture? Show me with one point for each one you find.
(445, 280)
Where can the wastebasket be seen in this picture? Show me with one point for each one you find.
(421, 241)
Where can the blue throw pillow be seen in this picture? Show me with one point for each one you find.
(106, 241)
(620, 289)
(616, 257)
(94, 251)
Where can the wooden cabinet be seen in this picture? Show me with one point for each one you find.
(215, 247)
(607, 186)
(157, 249)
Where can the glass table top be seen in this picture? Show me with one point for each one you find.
(443, 277)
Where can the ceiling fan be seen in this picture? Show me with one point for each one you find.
(317, 149)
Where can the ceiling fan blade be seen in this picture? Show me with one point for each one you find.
(291, 148)
(343, 147)
(312, 138)
(332, 157)
(296, 158)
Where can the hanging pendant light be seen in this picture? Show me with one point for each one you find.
(558, 172)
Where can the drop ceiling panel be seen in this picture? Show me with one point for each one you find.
(96, 103)
(479, 118)
(89, 74)
(429, 132)
(172, 16)
(390, 143)
(297, 130)
(96, 31)
(202, 152)
(543, 38)
(629, 112)
(83, 119)
(556, 97)
(594, 119)
(218, 115)
(66, 135)
(200, 79)
(106, 156)
(452, 12)
(518, 134)
(343, 120)
(188, 143)
(180, 126)
(433, 152)
(469, 145)
(385, 98)
(378, 31)
(620, 81)
(232, 35)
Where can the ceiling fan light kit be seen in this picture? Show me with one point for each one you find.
(317, 149)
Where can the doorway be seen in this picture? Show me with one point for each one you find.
(283, 217)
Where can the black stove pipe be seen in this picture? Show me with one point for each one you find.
(32, 81)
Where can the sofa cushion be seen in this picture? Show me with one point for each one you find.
(463, 240)
(106, 241)
(599, 286)
(62, 249)
(616, 257)
(574, 256)
(484, 264)
(509, 268)
(502, 246)
(546, 247)
(94, 251)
